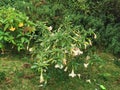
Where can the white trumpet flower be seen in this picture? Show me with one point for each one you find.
(95, 36)
(76, 51)
(72, 74)
(41, 78)
(50, 28)
(87, 57)
(90, 43)
(59, 66)
(89, 81)
(30, 49)
(65, 69)
(78, 75)
(86, 44)
(86, 65)
(64, 61)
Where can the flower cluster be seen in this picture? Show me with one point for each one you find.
(76, 51)
(13, 28)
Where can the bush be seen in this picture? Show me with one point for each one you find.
(67, 30)
(112, 38)
(15, 28)
(107, 13)
(112, 7)
(61, 48)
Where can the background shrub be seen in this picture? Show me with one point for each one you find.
(15, 28)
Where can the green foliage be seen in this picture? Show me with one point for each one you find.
(95, 14)
(6, 2)
(2, 76)
(112, 7)
(112, 38)
(61, 48)
(64, 31)
(15, 28)
(107, 12)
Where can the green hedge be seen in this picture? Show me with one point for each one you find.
(96, 14)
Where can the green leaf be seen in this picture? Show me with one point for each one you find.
(13, 42)
(106, 74)
(1, 45)
(22, 39)
(6, 26)
(34, 66)
(1, 37)
(102, 87)
(6, 38)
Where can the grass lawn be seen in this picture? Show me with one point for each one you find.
(16, 74)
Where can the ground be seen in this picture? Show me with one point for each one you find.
(16, 74)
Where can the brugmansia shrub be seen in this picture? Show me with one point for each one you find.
(62, 41)
(63, 48)
(15, 28)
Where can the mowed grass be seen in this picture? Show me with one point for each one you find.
(19, 76)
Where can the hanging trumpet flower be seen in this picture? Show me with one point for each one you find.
(72, 74)
(50, 28)
(86, 65)
(76, 51)
(64, 61)
(95, 36)
(41, 77)
(66, 68)
(87, 58)
(78, 75)
(89, 81)
(86, 44)
(59, 66)
(90, 43)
